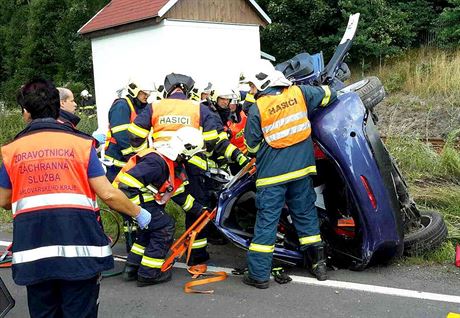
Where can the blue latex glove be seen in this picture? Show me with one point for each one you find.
(143, 218)
(100, 138)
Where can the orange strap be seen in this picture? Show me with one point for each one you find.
(201, 270)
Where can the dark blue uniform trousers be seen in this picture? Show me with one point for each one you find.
(152, 244)
(300, 197)
(197, 189)
(63, 298)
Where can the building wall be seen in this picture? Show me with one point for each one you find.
(209, 52)
(234, 11)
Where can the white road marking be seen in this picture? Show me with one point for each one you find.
(338, 284)
(378, 289)
(350, 286)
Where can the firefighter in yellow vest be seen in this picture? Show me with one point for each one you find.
(117, 147)
(150, 179)
(278, 133)
(167, 116)
(123, 112)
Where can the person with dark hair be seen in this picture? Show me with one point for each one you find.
(49, 178)
(39, 98)
(68, 106)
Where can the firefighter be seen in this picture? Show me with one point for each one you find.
(117, 147)
(167, 116)
(202, 93)
(278, 133)
(226, 104)
(49, 179)
(150, 178)
(121, 114)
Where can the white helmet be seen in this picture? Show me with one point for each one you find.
(197, 92)
(223, 92)
(157, 93)
(85, 94)
(187, 141)
(135, 86)
(264, 75)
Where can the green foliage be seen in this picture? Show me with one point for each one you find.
(448, 29)
(10, 124)
(39, 38)
(290, 22)
(383, 29)
(387, 27)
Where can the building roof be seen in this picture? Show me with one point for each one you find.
(122, 12)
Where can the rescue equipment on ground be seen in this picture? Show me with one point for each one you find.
(184, 244)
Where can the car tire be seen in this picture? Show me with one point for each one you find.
(428, 237)
(369, 89)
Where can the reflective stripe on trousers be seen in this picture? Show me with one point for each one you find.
(200, 243)
(138, 249)
(307, 240)
(285, 177)
(152, 262)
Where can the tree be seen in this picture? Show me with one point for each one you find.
(39, 38)
(297, 26)
(421, 16)
(383, 30)
(448, 26)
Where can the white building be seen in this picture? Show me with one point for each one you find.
(211, 40)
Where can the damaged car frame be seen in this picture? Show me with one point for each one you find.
(366, 213)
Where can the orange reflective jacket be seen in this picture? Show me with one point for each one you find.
(49, 170)
(162, 194)
(169, 115)
(237, 130)
(284, 118)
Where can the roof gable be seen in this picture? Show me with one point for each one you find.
(122, 12)
(119, 12)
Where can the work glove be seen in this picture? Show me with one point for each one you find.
(143, 219)
(242, 160)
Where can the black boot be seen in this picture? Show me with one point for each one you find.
(315, 259)
(130, 272)
(256, 283)
(163, 277)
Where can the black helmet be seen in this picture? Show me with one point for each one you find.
(173, 81)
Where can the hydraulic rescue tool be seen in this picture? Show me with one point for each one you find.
(184, 244)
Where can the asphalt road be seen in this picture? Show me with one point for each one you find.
(304, 297)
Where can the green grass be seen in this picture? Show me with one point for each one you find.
(423, 72)
(10, 124)
(434, 183)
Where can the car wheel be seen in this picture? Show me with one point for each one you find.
(369, 89)
(431, 233)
